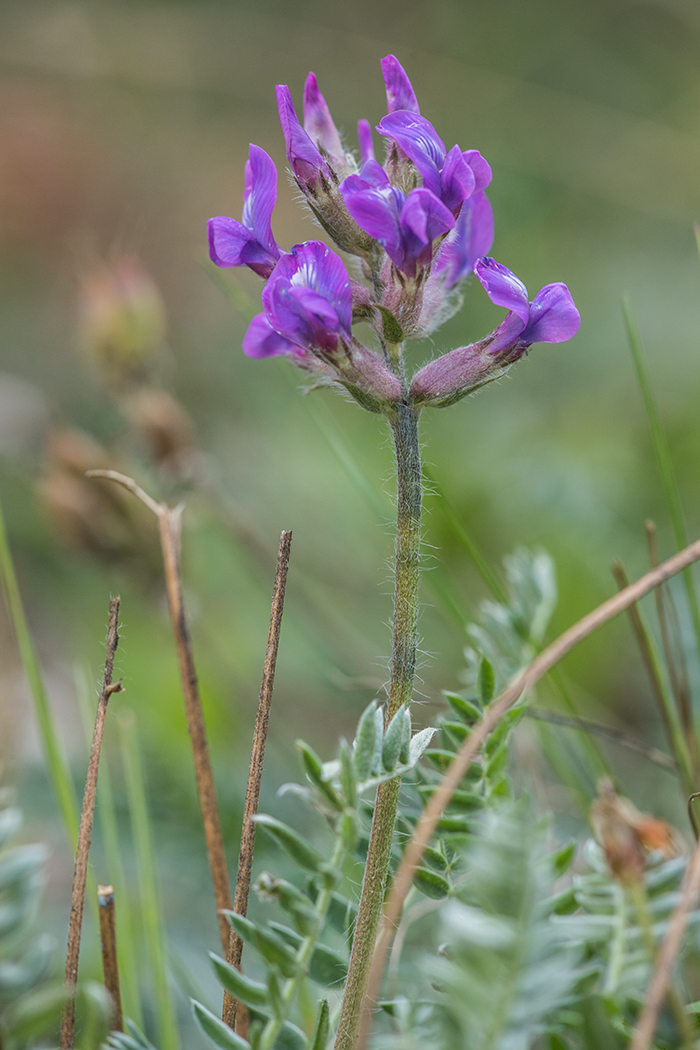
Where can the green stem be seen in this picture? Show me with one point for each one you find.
(305, 951)
(668, 477)
(404, 424)
(59, 773)
(163, 1005)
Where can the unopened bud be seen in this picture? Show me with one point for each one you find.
(121, 318)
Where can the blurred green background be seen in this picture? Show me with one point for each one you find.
(123, 127)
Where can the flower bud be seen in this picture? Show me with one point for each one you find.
(121, 319)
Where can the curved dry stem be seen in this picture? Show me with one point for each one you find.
(425, 828)
(666, 957)
(130, 485)
(169, 522)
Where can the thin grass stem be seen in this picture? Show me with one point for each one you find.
(148, 882)
(666, 957)
(607, 733)
(235, 1014)
(663, 459)
(58, 770)
(659, 685)
(678, 675)
(85, 832)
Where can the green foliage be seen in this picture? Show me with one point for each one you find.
(508, 634)
(26, 1008)
(293, 954)
(132, 1039)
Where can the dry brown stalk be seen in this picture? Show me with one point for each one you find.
(232, 1008)
(425, 827)
(108, 940)
(169, 524)
(666, 957)
(85, 832)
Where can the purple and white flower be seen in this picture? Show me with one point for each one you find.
(551, 317)
(250, 241)
(404, 224)
(307, 303)
(308, 316)
(453, 176)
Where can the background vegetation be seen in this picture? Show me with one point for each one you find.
(123, 127)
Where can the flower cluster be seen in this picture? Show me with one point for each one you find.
(415, 228)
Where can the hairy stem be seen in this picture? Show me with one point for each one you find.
(85, 832)
(235, 1014)
(404, 425)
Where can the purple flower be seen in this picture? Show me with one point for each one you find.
(404, 225)
(470, 239)
(307, 302)
(308, 316)
(551, 317)
(250, 241)
(453, 176)
(310, 169)
(364, 137)
(319, 125)
(399, 93)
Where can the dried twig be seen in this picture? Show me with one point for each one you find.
(425, 827)
(607, 732)
(232, 1008)
(169, 525)
(108, 940)
(666, 957)
(85, 832)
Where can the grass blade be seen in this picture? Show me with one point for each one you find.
(164, 1006)
(59, 773)
(663, 459)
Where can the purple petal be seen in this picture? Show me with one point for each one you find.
(372, 176)
(376, 211)
(420, 141)
(261, 340)
(305, 160)
(259, 197)
(553, 316)
(456, 179)
(471, 239)
(504, 288)
(364, 136)
(233, 244)
(423, 218)
(302, 317)
(508, 336)
(399, 93)
(318, 122)
(480, 167)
